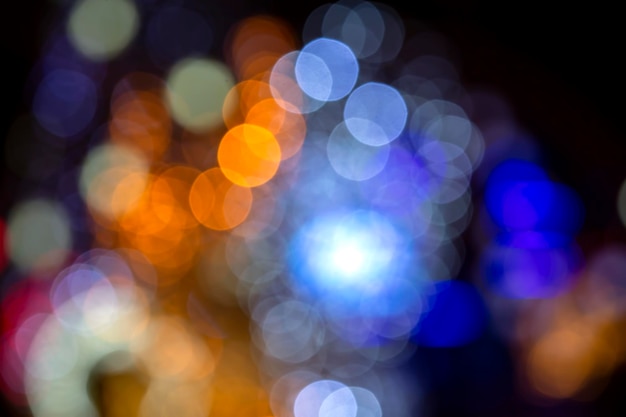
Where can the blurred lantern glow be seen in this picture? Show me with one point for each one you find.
(217, 203)
(39, 235)
(197, 88)
(375, 114)
(65, 102)
(140, 119)
(249, 155)
(100, 30)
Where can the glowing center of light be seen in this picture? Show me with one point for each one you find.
(356, 252)
(349, 258)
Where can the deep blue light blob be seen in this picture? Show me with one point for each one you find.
(519, 196)
(532, 271)
(457, 316)
(326, 69)
(65, 102)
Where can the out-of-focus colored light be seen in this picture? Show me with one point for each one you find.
(240, 100)
(542, 205)
(141, 120)
(374, 31)
(560, 364)
(326, 69)
(292, 331)
(196, 91)
(249, 155)
(352, 264)
(317, 400)
(361, 27)
(39, 235)
(529, 272)
(352, 159)
(457, 316)
(113, 179)
(65, 102)
(288, 128)
(174, 33)
(256, 43)
(217, 203)
(169, 350)
(375, 114)
(100, 30)
(285, 87)
(169, 196)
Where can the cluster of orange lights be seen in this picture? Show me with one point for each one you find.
(159, 208)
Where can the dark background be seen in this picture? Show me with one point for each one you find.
(562, 73)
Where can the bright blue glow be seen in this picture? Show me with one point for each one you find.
(326, 69)
(65, 102)
(351, 260)
(519, 196)
(375, 114)
(457, 316)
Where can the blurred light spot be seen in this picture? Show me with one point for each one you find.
(518, 203)
(217, 203)
(54, 352)
(339, 403)
(311, 398)
(241, 99)
(196, 92)
(351, 158)
(140, 119)
(38, 236)
(375, 114)
(285, 87)
(352, 263)
(368, 405)
(170, 350)
(326, 69)
(249, 155)
(292, 332)
(288, 128)
(559, 364)
(361, 28)
(257, 42)
(535, 272)
(65, 102)
(102, 29)
(169, 196)
(112, 179)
